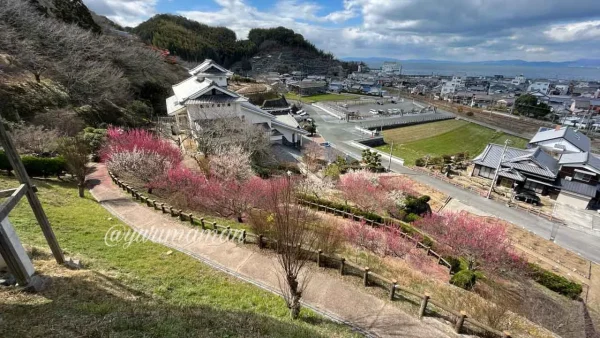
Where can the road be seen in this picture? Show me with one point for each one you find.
(340, 133)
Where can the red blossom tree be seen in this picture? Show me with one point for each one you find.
(119, 140)
(484, 245)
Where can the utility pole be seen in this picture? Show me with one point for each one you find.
(498, 168)
(390, 162)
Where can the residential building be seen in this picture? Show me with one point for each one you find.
(204, 97)
(308, 87)
(542, 87)
(561, 140)
(390, 67)
(451, 86)
(558, 163)
(519, 80)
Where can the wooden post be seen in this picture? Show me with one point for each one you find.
(191, 216)
(228, 232)
(366, 277)
(181, 215)
(460, 321)
(260, 241)
(393, 289)
(424, 302)
(34, 202)
(319, 254)
(215, 226)
(342, 263)
(244, 236)
(202, 223)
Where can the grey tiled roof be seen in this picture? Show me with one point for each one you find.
(544, 164)
(578, 188)
(573, 136)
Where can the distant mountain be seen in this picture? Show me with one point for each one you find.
(378, 61)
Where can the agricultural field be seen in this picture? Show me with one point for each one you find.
(321, 97)
(444, 137)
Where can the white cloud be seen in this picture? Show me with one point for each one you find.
(124, 12)
(465, 30)
(574, 31)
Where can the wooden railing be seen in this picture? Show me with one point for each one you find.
(462, 322)
(396, 228)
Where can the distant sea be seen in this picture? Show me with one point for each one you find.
(530, 72)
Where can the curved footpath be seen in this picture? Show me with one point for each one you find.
(327, 295)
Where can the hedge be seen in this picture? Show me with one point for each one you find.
(408, 229)
(37, 166)
(555, 282)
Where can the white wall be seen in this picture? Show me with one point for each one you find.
(551, 145)
(572, 200)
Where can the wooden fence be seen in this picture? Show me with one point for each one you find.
(396, 228)
(427, 305)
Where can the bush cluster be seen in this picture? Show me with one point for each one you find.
(37, 166)
(555, 282)
(464, 279)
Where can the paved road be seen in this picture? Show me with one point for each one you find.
(339, 133)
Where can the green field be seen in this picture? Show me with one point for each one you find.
(444, 137)
(321, 97)
(144, 290)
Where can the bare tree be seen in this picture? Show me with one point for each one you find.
(292, 226)
(218, 126)
(76, 153)
(35, 139)
(312, 153)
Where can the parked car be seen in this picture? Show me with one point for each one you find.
(380, 103)
(373, 111)
(528, 196)
(394, 101)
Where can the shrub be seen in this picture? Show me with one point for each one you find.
(469, 113)
(454, 264)
(37, 166)
(411, 217)
(420, 162)
(555, 282)
(464, 279)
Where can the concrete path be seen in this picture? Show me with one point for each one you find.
(326, 294)
(340, 134)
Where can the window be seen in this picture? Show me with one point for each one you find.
(487, 172)
(582, 177)
(539, 188)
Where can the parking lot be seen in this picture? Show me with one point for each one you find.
(386, 109)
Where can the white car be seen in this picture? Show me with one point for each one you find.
(373, 111)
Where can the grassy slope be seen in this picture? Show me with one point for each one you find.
(168, 295)
(470, 137)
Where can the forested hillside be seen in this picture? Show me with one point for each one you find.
(194, 42)
(56, 72)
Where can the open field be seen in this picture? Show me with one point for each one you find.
(141, 290)
(321, 97)
(444, 137)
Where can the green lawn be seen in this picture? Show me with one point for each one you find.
(446, 137)
(321, 97)
(139, 291)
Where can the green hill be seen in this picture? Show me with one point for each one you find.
(193, 41)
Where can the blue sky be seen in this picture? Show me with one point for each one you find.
(461, 30)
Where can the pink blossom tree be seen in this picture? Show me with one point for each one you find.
(484, 245)
(362, 188)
